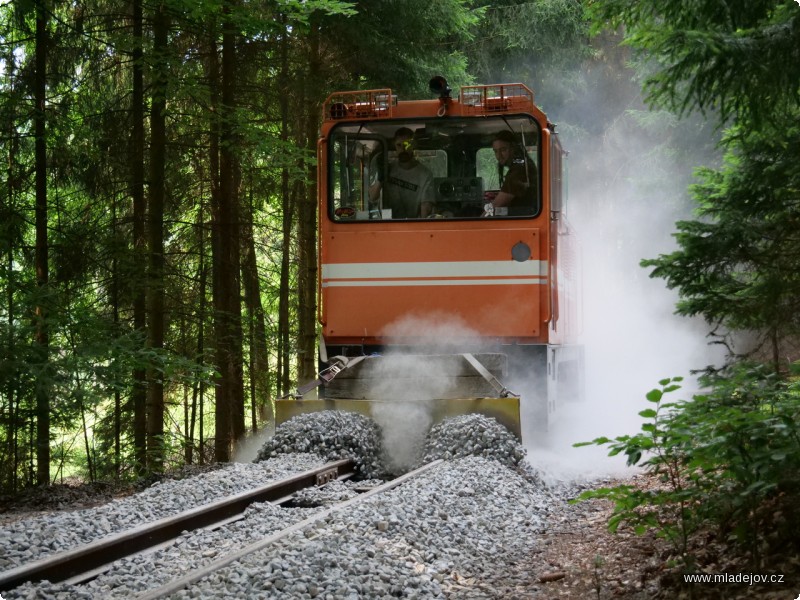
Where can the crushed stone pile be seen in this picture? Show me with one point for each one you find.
(477, 435)
(332, 435)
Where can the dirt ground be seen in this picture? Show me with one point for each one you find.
(580, 558)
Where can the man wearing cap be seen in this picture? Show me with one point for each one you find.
(408, 189)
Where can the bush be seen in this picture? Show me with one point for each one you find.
(729, 459)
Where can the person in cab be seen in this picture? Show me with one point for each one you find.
(408, 186)
(517, 175)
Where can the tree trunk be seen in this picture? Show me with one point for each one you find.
(41, 258)
(216, 258)
(307, 226)
(286, 243)
(10, 472)
(198, 391)
(115, 280)
(199, 355)
(139, 388)
(86, 443)
(155, 221)
(261, 403)
(229, 411)
(11, 467)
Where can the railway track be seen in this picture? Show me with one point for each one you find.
(198, 574)
(450, 530)
(85, 563)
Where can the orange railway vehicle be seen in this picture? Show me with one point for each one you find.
(433, 293)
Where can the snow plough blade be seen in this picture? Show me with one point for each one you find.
(505, 410)
(389, 387)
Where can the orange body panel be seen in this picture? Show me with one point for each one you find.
(375, 275)
(371, 280)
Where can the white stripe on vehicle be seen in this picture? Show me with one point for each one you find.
(434, 270)
(428, 282)
(507, 272)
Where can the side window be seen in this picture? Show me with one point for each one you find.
(556, 175)
(486, 166)
(354, 167)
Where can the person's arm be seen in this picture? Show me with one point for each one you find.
(517, 184)
(502, 199)
(375, 191)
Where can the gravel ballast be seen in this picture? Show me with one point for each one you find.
(451, 532)
(431, 537)
(31, 539)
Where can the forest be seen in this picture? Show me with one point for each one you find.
(158, 213)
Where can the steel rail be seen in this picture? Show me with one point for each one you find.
(198, 574)
(93, 556)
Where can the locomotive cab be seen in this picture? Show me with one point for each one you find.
(457, 153)
(452, 264)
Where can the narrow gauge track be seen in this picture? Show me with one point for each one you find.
(85, 562)
(198, 574)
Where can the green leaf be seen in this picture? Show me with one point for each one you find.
(614, 522)
(654, 395)
(634, 456)
(648, 413)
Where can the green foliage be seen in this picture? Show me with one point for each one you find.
(662, 446)
(290, 54)
(737, 264)
(541, 43)
(514, 31)
(738, 57)
(724, 459)
(401, 44)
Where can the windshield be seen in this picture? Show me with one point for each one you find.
(449, 168)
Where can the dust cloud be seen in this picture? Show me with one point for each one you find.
(404, 428)
(407, 376)
(631, 340)
(247, 448)
(628, 189)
